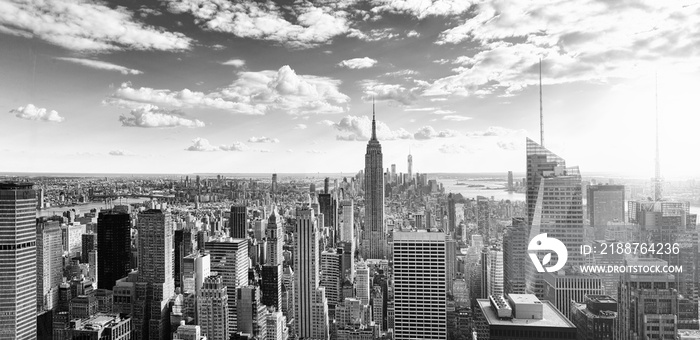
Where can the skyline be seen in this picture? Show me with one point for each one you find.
(244, 95)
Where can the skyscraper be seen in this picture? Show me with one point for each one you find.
(239, 221)
(229, 258)
(156, 284)
(605, 203)
(410, 168)
(362, 284)
(49, 262)
(18, 261)
(420, 294)
(374, 234)
(558, 208)
(273, 187)
(272, 270)
(515, 240)
(595, 318)
(332, 276)
(309, 299)
(538, 160)
(114, 245)
(212, 308)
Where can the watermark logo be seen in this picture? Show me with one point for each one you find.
(542, 242)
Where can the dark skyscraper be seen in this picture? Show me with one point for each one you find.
(374, 235)
(605, 203)
(238, 223)
(515, 240)
(114, 247)
(273, 187)
(89, 243)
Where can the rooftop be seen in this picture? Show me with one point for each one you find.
(550, 317)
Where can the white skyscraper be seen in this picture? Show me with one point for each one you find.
(420, 293)
(309, 299)
(495, 271)
(18, 274)
(212, 308)
(362, 283)
(229, 257)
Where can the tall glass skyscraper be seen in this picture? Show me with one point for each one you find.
(113, 247)
(374, 234)
(17, 261)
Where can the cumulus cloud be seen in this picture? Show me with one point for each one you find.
(202, 144)
(456, 118)
(357, 63)
(300, 126)
(422, 9)
(582, 41)
(151, 116)
(428, 132)
(412, 33)
(101, 65)
(299, 25)
(374, 34)
(251, 93)
(119, 152)
(234, 63)
(495, 131)
(455, 148)
(389, 92)
(359, 128)
(85, 26)
(31, 112)
(263, 139)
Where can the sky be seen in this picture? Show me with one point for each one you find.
(208, 86)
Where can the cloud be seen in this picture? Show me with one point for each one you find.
(358, 63)
(202, 144)
(419, 109)
(584, 41)
(455, 149)
(236, 146)
(150, 116)
(31, 112)
(85, 26)
(254, 93)
(401, 73)
(389, 92)
(422, 9)
(101, 65)
(444, 112)
(456, 118)
(119, 152)
(234, 63)
(299, 25)
(428, 132)
(263, 139)
(359, 128)
(300, 127)
(506, 145)
(412, 33)
(326, 122)
(495, 131)
(374, 34)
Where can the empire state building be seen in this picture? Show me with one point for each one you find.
(374, 243)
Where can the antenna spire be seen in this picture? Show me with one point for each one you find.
(541, 114)
(657, 174)
(374, 123)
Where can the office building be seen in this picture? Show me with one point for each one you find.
(212, 308)
(271, 286)
(88, 244)
(252, 314)
(362, 282)
(560, 288)
(49, 263)
(238, 222)
(595, 318)
(276, 325)
(515, 241)
(18, 255)
(495, 272)
(100, 326)
(114, 243)
(648, 304)
(156, 284)
(374, 235)
(184, 245)
(229, 258)
(311, 306)
(420, 293)
(331, 276)
(520, 317)
(605, 203)
(558, 210)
